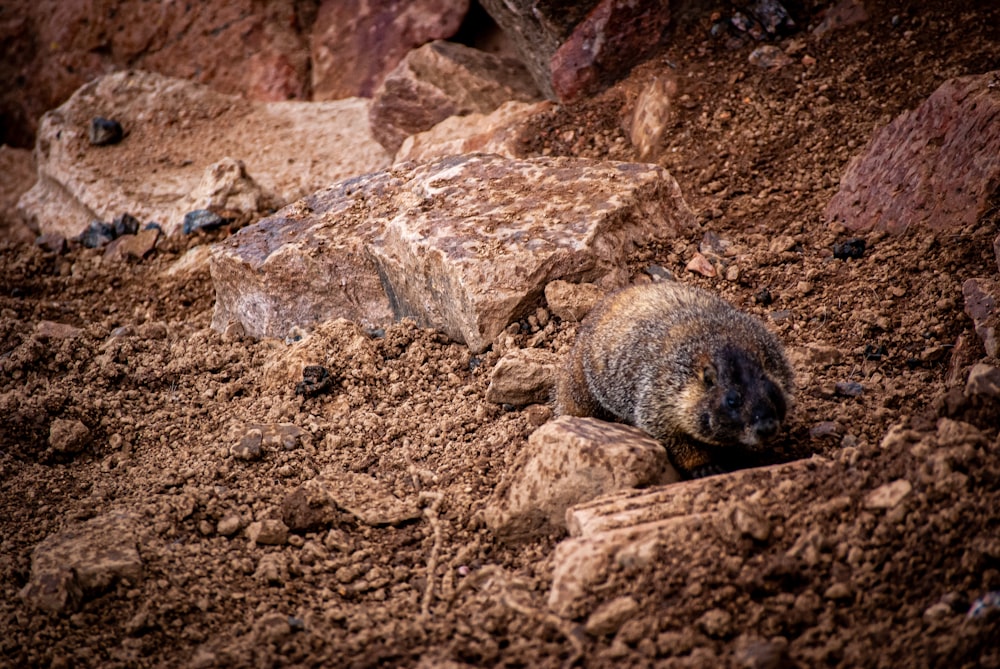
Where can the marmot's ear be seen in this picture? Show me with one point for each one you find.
(708, 375)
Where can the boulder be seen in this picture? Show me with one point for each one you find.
(576, 48)
(568, 461)
(354, 45)
(443, 79)
(187, 147)
(82, 561)
(463, 244)
(253, 49)
(937, 165)
(498, 132)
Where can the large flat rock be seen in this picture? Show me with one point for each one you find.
(463, 244)
(937, 165)
(175, 132)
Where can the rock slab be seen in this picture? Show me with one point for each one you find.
(187, 146)
(568, 461)
(463, 244)
(82, 561)
(443, 79)
(937, 165)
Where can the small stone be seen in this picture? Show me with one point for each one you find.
(270, 532)
(52, 330)
(826, 429)
(751, 523)
(105, 131)
(763, 654)
(316, 380)
(271, 569)
(201, 219)
(126, 224)
(51, 242)
(701, 265)
(984, 381)
(610, 616)
(937, 611)
(97, 234)
(68, 436)
(769, 57)
(571, 301)
(229, 525)
(849, 389)
(850, 249)
(987, 604)
(249, 446)
(716, 623)
(838, 591)
(523, 376)
(659, 273)
(888, 495)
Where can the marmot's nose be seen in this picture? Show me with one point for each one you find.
(767, 428)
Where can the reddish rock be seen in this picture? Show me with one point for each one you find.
(355, 45)
(18, 169)
(443, 79)
(498, 132)
(464, 244)
(568, 461)
(523, 376)
(937, 165)
(576, 48)
(982, 297)
(243, 47)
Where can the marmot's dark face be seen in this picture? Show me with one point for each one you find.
(741, 403)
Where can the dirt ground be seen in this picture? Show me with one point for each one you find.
(758, 153)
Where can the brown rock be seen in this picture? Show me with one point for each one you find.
(269, 532)
(498, 132)
(983, 382)
(523, 376)
(568, 461)
(841, 14)
(701, 265)
(83, 561)
(575, 48)
(981, 299)
(373, 37)
(463, 244)
(132, 247)
(18, 169)
(936, 165)
(53, 330)
(242, 47)
(610, 616)
(216, 142)
(443, 79)
(68, 436)
(309, 507)
(572, 301)
(888, 495)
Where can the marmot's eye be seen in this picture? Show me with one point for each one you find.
(733, 400)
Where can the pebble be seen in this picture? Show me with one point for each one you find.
(716, 623)
(68, 436)
(249, 446)
(270, 532)
(229, 525)
(825, 429)
(763, 654)
(838, 591)
(316, 380)
(750, 523)
(850, 249)
(849, 389)
(126, 224)
(201, 219)
(97, 234)
(769, 57)
(608, 617)
(888, 495)
(701, 265)
(105, 131)
(988, 603)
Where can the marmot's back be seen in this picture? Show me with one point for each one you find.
(683, 365)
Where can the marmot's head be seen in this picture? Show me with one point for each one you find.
(736, 402)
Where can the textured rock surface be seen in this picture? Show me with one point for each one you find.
(372, 38)
(575, 48)
(982, 305)
(258, 50)
(937, 165)
(631, 528)
(463, 244)
(319, 502)
(18, 169)
(523, 376)
(443, 79)
(82, 561)
(567, 461)
(572, 301)
(182, 143)
(498, 132)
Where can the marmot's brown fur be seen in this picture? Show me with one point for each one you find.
(683, 365)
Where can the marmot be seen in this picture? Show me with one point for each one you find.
(683, 365)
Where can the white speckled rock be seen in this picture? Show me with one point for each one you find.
(463, 244)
